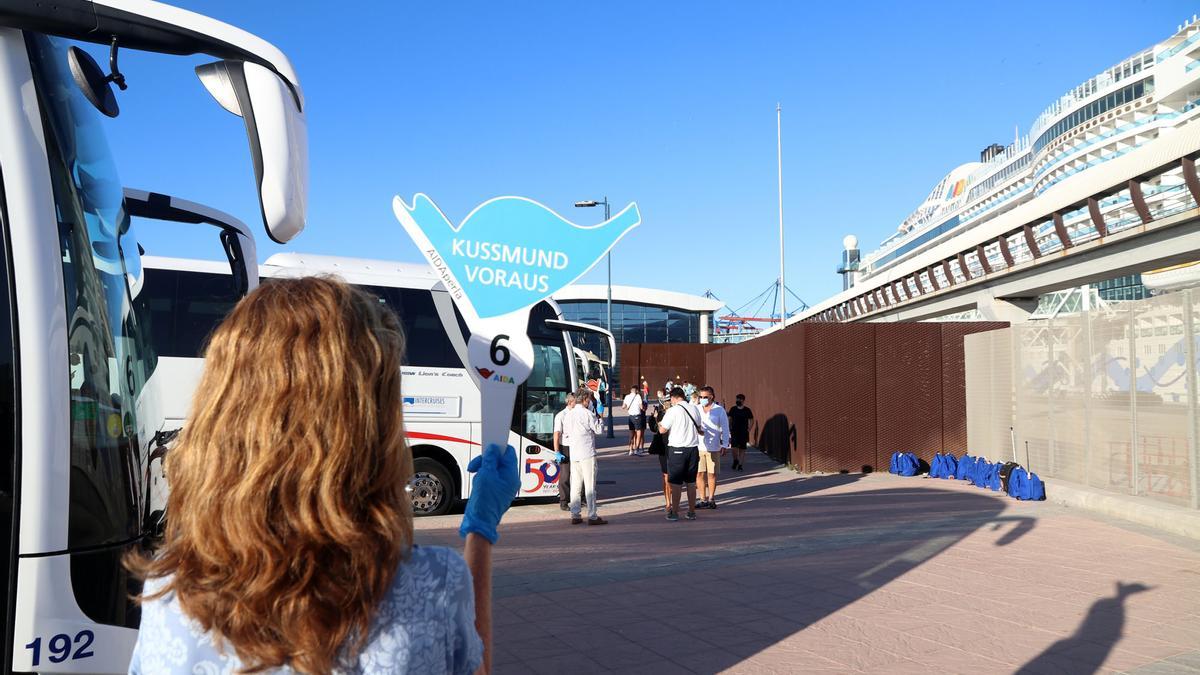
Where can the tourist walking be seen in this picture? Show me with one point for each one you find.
(714, 439)
(634, 406)
(740, 416)
(658, 443)
(682, 426)
(290, 541)
(581, 425)
(562, 450)
(688, 389)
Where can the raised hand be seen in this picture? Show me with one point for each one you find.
(493, 488)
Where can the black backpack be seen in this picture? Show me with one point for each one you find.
(1006, 473)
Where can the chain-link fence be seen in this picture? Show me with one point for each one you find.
(1104, 397)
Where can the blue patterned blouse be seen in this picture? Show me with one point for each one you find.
(426, 624)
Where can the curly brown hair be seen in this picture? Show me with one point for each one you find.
(287, 514)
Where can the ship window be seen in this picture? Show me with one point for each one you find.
(1088, 112)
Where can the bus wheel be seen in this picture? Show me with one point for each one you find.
(431, 488)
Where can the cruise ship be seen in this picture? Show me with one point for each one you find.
(1141, 100)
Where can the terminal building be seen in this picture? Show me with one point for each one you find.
(639, 315)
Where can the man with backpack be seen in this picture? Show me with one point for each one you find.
(681, 423)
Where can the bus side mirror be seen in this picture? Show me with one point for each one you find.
(278, 137)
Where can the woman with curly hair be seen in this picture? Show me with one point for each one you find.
(288, 544)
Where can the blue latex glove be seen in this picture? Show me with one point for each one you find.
(493, 489)
(559, 457)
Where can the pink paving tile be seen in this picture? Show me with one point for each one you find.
(787, 664)
(1152, 648)
(894, 619)
(905, 667)
(832, 574)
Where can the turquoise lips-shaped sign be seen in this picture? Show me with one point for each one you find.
(510, 252)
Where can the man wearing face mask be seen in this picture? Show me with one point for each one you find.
(740, 417)
(715, 440)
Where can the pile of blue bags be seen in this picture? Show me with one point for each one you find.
(1025, 485)
(904, 464)
(1008, 477)
(943, 466)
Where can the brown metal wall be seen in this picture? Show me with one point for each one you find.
(772, 377)
(661, 362)
(954, 375)
(838, 397)
(908, 390)
(840, 374)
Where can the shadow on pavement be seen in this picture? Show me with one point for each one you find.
(782, 552)
(1092, 641)
(652, 467)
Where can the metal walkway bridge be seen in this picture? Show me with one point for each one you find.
(1130, 214)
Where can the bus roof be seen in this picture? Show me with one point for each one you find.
(158, 262)
(353, 270)
(150, 26)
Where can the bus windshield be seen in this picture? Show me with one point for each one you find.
(109, 356)
(545, 392)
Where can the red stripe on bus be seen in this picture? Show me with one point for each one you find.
(438, 437)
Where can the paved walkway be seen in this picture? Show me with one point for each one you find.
(838, 574)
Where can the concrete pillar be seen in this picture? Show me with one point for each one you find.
(705, 318)
(1012, 310)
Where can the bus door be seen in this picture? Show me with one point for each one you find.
(539, 398)
(585, 342)
(180, 309)
(237, 243)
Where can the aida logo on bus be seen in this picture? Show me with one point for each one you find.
(489, 374)
(509, 252)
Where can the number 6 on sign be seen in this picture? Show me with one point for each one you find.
(500, 353)
(500, 356)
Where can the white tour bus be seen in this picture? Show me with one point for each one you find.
(79, 404)
(591, 369)
(187, 298)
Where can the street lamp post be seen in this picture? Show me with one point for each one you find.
(608, 257)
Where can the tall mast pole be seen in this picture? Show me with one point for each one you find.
(779, 156)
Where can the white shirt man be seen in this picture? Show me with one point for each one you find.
(681, 423)
(563, 439)
(715, 439)
(681, 430)
(634, 405)
(716, 427)
(581, 426)
(562, 444)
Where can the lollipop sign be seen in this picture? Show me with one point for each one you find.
(506, 256)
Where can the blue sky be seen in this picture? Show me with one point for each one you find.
(669, 104)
